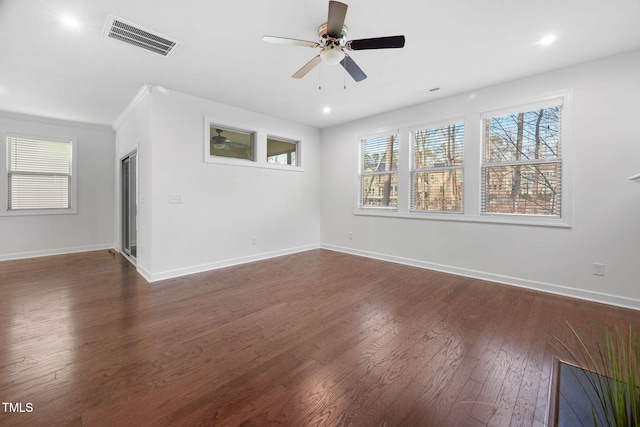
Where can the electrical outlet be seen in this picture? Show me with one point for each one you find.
(598, 269)
(254, 241)
(350, 236)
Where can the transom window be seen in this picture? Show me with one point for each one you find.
(437, 168)
(231, 143)
(282, 152)
(240, 144)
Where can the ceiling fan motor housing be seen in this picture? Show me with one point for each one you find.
(327, 40)
(332, 48)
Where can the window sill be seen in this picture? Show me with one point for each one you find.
(528, 220)
(252, 164)
(34, 212)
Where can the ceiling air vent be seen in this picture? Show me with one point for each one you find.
(136, 35)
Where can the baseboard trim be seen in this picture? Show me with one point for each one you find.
(144, 273)
(59, 251)
(170, 274)
(599, 297)
(567, 291)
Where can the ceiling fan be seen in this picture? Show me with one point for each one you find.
(219, 142)
(334, 45)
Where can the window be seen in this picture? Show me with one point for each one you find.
(39, 175)
(510, 165)
(242, 144)
(379, 172)
(235, 144)
(437, 169)
(522, 164)
(282, 152)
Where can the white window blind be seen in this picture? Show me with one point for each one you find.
(522, 163)
(379, 171)
(38, 174)
(437, 168)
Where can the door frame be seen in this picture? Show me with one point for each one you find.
(128, 216)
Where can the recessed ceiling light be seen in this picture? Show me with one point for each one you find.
(547, 40)
(70, 21)
(326, 110)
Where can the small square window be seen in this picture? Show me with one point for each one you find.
(282, 152)
(235, 144)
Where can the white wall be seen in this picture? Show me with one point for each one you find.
(133, 133)
(605, 204)
(91, 228)
(223, 206)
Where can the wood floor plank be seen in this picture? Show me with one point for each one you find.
(315, 338)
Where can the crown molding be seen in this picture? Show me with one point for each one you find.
(139, 98)
(12, 115)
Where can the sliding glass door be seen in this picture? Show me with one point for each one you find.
(129, 177)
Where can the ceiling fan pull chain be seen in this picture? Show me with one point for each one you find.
(320, 77)
(344, 78)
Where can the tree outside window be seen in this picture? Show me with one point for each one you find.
(379, 173)
(522, 163)
(437, 168)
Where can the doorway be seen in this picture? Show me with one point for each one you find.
(129, 179)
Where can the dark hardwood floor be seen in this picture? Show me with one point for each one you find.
(316, 338)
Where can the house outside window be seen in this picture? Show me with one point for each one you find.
(510, 165)
(437, 168)
(379, 172)
(522, 163)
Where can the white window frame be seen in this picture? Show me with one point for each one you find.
(564, 162)
(4, 170)
(210, 157)
(472, 167)
(290, 141)
(362, 173)
(259, 157)
(413, 171)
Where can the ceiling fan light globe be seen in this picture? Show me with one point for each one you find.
(331, 55)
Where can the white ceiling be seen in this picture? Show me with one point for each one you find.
(50, 70)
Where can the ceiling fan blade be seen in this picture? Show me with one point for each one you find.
(237, 145)
(284, 40)
(307, 67)
(353, 69)
(335, 21)
(392, 42)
